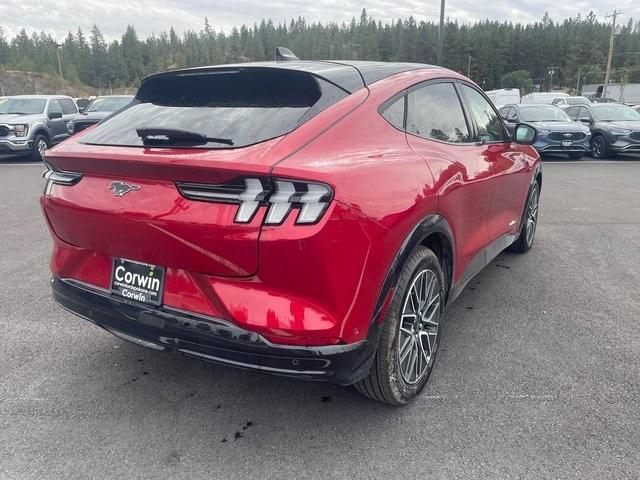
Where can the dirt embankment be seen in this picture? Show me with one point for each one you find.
(14, 82)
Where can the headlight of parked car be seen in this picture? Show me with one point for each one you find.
(620, 131)
(21, 130)
(544, 132)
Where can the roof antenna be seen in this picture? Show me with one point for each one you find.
(285, 55)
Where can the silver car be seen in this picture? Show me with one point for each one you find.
(30, 124)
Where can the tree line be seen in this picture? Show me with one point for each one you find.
(494, 53)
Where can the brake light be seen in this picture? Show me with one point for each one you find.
(279, 195)
(55, 177)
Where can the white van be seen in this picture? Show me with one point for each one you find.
(543, 97)
(504, 96)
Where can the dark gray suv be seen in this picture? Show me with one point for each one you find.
(615, 128)
(30, 124)
(98, 110)
(557, 133)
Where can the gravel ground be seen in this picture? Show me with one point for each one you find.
(538, 376)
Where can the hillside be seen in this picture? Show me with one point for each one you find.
(13, 82)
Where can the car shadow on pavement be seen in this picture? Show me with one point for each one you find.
(223, 405)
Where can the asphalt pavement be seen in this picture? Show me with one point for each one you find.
(538, 374)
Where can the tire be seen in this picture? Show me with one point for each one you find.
(599, 148)
(39, 146)
(576, 155)
(391, 379)
(525, 239)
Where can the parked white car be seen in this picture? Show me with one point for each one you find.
(567, 101)
(543, 97)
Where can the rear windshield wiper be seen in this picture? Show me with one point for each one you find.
(172, 136)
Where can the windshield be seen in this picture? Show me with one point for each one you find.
(578, 101)
(25, 106)
(108, 104)
(543, 114)
(241, 106)
(615, 113)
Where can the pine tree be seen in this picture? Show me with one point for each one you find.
(577, 46)
(99, 66)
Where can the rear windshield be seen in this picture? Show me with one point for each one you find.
(239, 106)
(108, 104)
(578, 101)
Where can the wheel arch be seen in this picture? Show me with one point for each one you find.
(537, 176)
(41, 129)
(433, 232)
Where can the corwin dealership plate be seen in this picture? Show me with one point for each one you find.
(137, 281)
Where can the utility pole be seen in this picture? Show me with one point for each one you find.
(578, 82)
(607, 77)
(441, 33)
(469, 68)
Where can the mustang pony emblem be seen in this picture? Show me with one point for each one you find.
(120, 188)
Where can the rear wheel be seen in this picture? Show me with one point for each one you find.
(410, 334)
(39, 147)
(527, 235)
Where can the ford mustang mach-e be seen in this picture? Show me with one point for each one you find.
(302, 218)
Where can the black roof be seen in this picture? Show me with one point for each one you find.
(346, 74)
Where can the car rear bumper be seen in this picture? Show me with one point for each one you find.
(212, 339)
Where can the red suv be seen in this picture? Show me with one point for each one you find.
(302, 218)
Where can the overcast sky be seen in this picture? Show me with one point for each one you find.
(148, 16)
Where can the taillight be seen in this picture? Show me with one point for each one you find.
(281, 196)
(59, 178)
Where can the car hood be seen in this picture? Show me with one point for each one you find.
(559, 126)
(627, 124)
(89, 116)
(18, 118)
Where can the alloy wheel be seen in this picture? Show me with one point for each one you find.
(597, 148)
(42, 146)
(418, 327)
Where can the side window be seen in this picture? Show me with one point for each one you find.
(54, 107)
(584, 114)
(490, 128)
(68, 107)
(434, 112)
(505, 112)
(394, 113)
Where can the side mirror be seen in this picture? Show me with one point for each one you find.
(511, 120)
(585, 120)
(54, 115)
(525, 134)
(80, 109)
